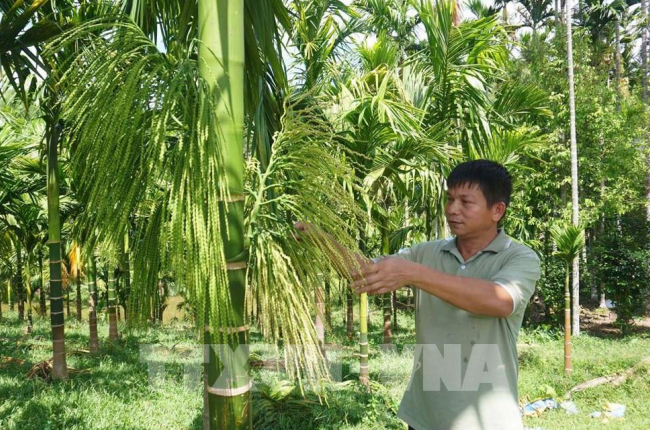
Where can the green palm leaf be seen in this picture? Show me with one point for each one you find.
(569, 240)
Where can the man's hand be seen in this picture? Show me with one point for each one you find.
(387, 275)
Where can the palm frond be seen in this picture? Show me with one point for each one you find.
(304, 181)
(569, 240)
(140, 119)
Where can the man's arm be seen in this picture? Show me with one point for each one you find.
(474, 295)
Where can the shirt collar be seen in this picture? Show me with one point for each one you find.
(498, 244)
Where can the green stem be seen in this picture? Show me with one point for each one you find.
(221, 54)
(112, 302)
(92, 293)
(41, 301)
(386, 298)
(568, 367)
(19, 281)
(59, 370)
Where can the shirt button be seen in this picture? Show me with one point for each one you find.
(462, 267)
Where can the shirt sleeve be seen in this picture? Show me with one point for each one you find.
(518, 277)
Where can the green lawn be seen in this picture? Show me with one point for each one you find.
(113, 390)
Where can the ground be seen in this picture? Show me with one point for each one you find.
(113, 390)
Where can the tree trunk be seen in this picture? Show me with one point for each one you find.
(67, 299)
(91, 279)
(328, 302)
(126, 273)
(28, 295)
(112, 305)
(644, 51)
(349, 320)
(617, 62)
(568, 367)
(592, 278)
(363, 341)
(41, 300)
(221, 54)
(574, 172)
(19, 282)
(386, 298)
(394, 296)
(79, 294)
(10, 296)
(318, 320)
(60, 369)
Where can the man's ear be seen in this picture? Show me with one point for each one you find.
(498, 211)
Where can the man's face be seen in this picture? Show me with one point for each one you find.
(467, 211)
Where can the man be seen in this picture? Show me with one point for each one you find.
(471, 292)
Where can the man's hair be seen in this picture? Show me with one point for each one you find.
(492, 179)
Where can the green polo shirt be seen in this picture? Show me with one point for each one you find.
(465, 365)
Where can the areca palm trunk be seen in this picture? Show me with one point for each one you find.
(568, 367)
(221, 53)
(19, 281)
(574, 172)
(79, 294)
(112, 303)
(28, 296)
(617, 62)
(644, 52)
(386, 298)
(91, 279)
(41, 299)
(319, 319)
(363, 340)
(10, 296)
(126, 273)
(59, 369)
(349, 319)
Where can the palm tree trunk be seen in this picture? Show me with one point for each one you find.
(10, 296)
(221, 53)
(328, 303)
(349, 319)
(91, 279)
(574, 172)
(118, 294)
(394, 298)
(112, 304)
(363, 344)
(568, 368)
(28, 294)
(19, 282)
(41, 302)
(67, 299)
(60, 369)
(79, 294)
(126, 272)
(386, 298)
(318, 321)
(644, 53)
(617, 62)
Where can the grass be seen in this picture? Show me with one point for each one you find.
(114, 391)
